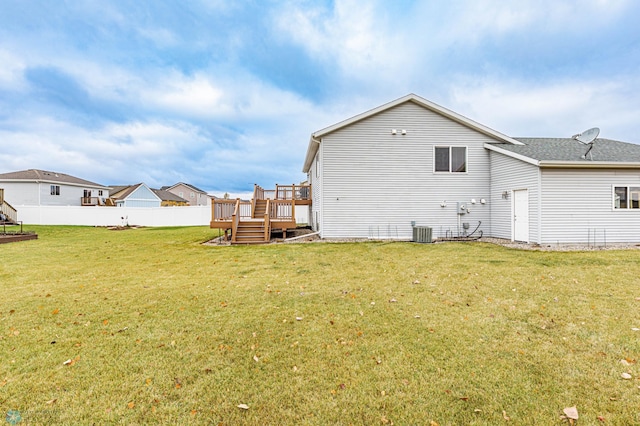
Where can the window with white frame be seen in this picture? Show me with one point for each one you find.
(451, 159)
(55, 189)
(626, 197)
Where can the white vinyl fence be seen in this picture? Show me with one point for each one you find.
(114, 216)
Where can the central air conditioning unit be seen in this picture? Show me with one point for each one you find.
(422, 234)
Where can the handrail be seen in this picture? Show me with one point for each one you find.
(222, 209)
(267, 222)
(256, 190)
(8, 210)
(283, 210)
(90, 201)
(235, 221)
(1, 196)
(293, 192)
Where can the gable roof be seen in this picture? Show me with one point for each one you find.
(316, 136)
(166, 188)
(165, 195)
(35, 175)
(121, 192)
(568, 152)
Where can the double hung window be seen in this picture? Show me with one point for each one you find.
(626, 197)
(452, 159)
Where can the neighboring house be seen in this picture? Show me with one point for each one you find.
(43, 188)
(414, 162)
(168, 199)
(139, 195)
(193, 195)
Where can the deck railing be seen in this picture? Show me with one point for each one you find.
(8, 210)
(283, 192)
(235, 221)
(267, 221)
(90, 201)
(283, 210)
(293, 192)
(224, 209)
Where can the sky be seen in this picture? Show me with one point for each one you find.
(225, 94)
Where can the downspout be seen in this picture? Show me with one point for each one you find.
(539, 206)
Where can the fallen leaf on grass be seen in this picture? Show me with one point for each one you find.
(571, 413)
(51, 401)
(392, 301)
(626, 376)
(255, 358)
(70, 361)
(600, 418)
(243, 406)
(55, 311)
(178, 382)
(131, 404)
(504, 416)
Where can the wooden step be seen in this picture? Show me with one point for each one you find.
(250, 232)
(260, 209)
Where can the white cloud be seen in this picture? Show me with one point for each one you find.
(354, 36)
(551, 109)
(11, 71)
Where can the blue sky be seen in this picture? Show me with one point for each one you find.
(224, 94)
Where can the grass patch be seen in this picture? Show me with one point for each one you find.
(157, 328)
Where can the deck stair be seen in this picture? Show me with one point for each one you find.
(251, 222)
(250, 232)
(9, 214)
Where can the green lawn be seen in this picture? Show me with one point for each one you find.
(150, 326)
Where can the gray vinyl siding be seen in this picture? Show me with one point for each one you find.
(21, 193)
(39, 193)
(578, 203)
(142, 197)
(508, 174)
(373, 183)
(315, 180)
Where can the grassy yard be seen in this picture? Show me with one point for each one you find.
(150, 326)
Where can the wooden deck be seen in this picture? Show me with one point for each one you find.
(8, 214)
(251, 222)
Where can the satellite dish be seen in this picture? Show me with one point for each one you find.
(587, 137)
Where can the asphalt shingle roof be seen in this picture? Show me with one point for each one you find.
(43, 175)
(168, 196)
(568, 149)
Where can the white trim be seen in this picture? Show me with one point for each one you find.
(613, 198)
(450, 171)
(589, 164)
(312, 148)
(512, 154)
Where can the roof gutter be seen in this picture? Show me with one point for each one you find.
(588, 165)
(312, 149)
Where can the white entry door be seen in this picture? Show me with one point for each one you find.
(521, 215)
